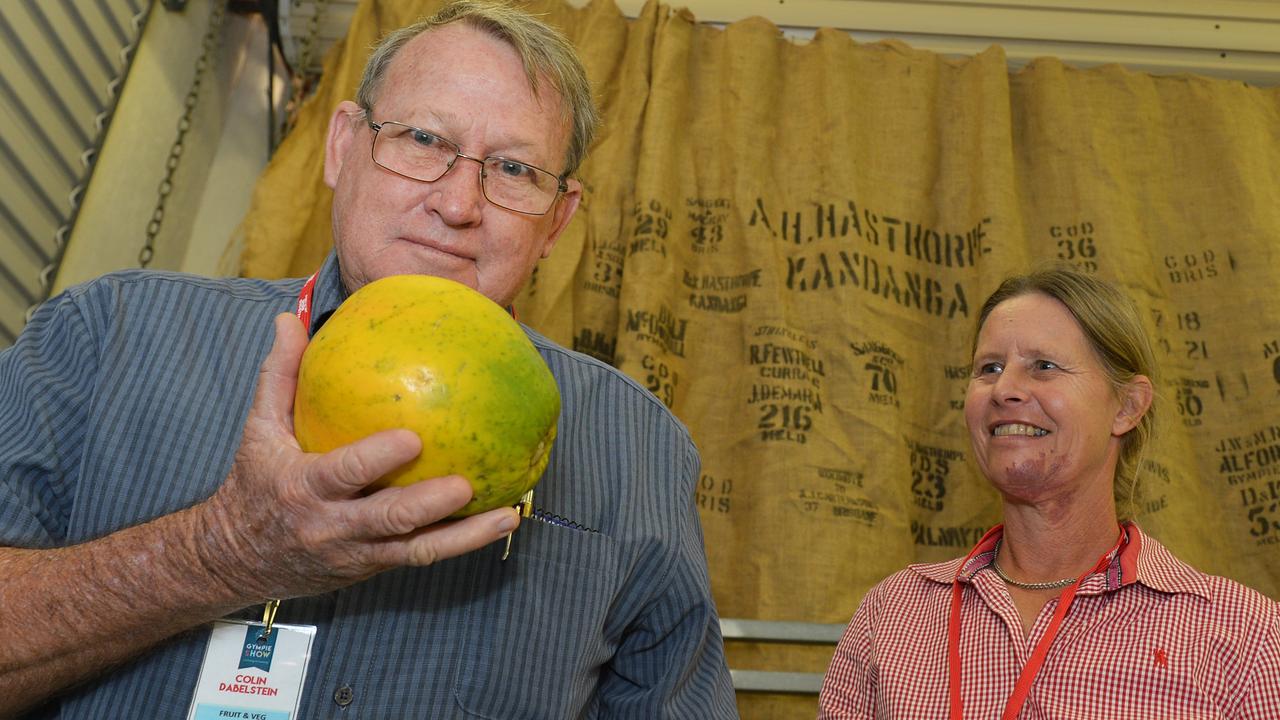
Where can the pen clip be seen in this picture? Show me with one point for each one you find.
(525, 508)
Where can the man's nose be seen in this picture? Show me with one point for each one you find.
(457, 195)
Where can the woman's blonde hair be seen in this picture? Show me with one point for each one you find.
(544, 51)
(1111, 323)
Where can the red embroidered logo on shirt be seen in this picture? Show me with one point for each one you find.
(1162, 658)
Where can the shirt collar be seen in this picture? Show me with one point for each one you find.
(1158, 569)
(1140, 559)
(329, 292)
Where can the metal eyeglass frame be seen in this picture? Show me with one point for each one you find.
(561, 187)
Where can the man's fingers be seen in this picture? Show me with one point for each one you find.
(450, 539)
(343, 472)
(278, 376)
(397, 511)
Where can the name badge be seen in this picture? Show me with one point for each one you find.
(249, 675)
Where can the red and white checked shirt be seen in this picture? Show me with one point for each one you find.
(1151, 639)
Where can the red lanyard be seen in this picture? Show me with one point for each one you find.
(1036, 661)
(303, 310)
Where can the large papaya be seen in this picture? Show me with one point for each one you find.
(438, 358)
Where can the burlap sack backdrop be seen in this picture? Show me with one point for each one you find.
(788, 244)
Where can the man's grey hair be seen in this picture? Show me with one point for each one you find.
(543, 50)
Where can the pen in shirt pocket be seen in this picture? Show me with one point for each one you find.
(527, 511)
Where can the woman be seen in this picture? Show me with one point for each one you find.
(1061, 611)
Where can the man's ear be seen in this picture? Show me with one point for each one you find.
(1135, 400)
(343, 126)
(562, 213)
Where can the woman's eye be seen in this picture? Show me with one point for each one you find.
(990, 368)
(1046, 365)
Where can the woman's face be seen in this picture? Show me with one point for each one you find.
(1042, 415)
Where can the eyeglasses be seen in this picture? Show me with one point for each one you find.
(421, 155)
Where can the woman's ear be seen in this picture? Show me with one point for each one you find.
(1135, 400)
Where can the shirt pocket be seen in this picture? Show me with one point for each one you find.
(535, 636)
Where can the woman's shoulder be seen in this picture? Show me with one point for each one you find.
(916, 584)
(1222, 597)
(1231, 597)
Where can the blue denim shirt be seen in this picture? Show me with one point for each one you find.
(123, 400)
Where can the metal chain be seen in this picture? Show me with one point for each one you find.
(303, 80)
(308, 41)
(208, 46)
(1027, 585)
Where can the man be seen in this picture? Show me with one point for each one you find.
(142, 494)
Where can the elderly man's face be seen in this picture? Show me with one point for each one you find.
(470, 88)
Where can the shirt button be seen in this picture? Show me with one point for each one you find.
(344, 695)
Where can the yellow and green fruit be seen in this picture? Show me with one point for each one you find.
(438, 358)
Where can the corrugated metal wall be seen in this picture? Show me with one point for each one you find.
(61, 66)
